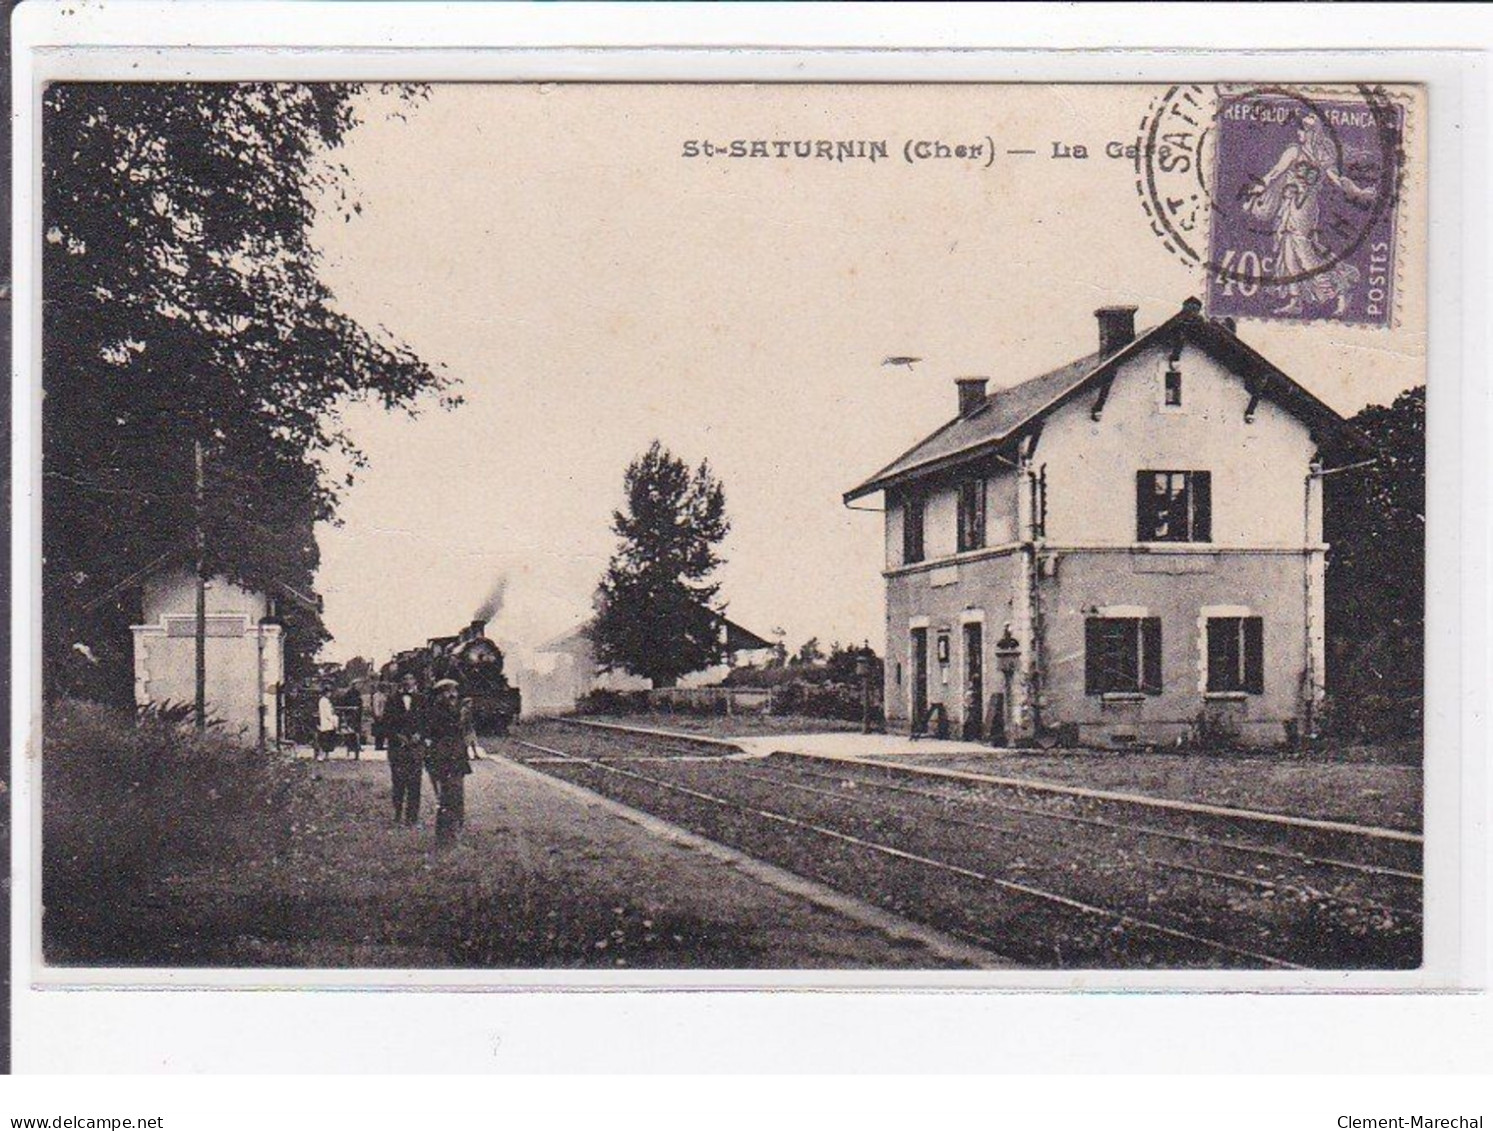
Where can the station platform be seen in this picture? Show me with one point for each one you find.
(368, 754)
(848, 744)
(819, 744)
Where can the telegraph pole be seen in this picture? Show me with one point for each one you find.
(201, 626)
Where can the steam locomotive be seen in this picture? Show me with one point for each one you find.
(475, 663)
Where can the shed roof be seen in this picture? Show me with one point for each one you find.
(738, 639)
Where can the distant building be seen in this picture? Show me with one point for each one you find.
(245, 652)
(565, 670)
(1126, 549)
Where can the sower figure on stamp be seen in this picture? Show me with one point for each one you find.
(403, 726)
(1290, 199)
(446, 758)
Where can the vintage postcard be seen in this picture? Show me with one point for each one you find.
(606, 532)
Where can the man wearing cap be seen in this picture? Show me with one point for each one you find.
(446, 758)
(403, 724)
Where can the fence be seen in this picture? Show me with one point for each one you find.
(712, 700)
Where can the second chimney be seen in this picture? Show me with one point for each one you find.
(1116, 328)
(971, 394)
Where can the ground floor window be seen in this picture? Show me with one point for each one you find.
(1236, 654)
(1122, 654)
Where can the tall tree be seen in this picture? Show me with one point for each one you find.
(1375, 521)
(809, 653)
(183, 305)
(655, 607)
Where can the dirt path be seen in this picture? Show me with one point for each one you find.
(545, 876)
(620, 894)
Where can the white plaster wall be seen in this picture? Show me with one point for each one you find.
(1000, 509)
(941, 519)
(941, 532)
(1259, 469)
(166, 667)
(175, 593)
(983, 587)
(896, 514)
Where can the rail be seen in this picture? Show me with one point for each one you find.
(989, 879)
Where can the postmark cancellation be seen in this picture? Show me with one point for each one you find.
(1289, 198)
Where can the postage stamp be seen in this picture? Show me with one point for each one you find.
(1288, 198)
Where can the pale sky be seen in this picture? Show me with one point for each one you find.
(589, 290)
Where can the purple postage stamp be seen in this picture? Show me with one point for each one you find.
(1287, 198)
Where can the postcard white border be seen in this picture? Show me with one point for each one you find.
(297, 41)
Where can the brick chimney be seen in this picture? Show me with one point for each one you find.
(971, 394)
(1116, 328)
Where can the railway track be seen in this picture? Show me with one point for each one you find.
(1264, 835)
(1141, 830)
(989, 871)
(1398, 851)
(1242, 848)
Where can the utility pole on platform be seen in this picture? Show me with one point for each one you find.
(201, 626)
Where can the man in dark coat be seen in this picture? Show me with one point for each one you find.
(446, 758)
(349, 706)
(404, 731)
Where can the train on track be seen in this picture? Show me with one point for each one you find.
(476, 663)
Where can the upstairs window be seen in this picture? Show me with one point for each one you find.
(1174, 506)
(1236, 655)
(912, 530)
(1122, 655)
(971, 514)
(1171, 387)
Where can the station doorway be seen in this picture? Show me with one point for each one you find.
(919, 679)
(974, 681)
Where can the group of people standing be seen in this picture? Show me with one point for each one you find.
(424, 731)
(430, 733)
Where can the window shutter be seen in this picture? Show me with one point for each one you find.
(1220, 654)
(981, 486)
(912, 530)
(1093, 659)
(1151, 648)
(1145, 506)
(1254, 655)
(1202, 505)
(971, 514)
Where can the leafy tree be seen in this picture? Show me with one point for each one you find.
(655, 605)
(183, 305)
(842, 663)
(809, 653)
(1376, 574)
(779, 657)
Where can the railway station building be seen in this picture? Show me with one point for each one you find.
(1125, 550)
(244, 657)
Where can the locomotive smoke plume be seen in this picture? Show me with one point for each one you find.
(492, 604)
